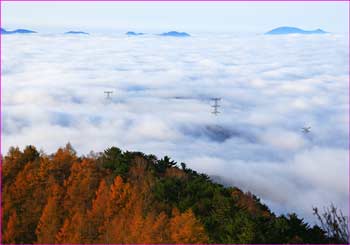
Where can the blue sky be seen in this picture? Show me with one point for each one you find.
(185, 16)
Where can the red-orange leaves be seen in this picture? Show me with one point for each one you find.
(51, 218)
(185, 228)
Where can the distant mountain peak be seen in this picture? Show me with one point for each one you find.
(132, 33)
(17, 31)
(283, 30)
(76, 32)
(175, 34)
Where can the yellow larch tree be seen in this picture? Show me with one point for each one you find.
(185, 228)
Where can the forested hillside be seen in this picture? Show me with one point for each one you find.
(130, 197)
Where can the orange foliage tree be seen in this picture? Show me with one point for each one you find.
(185, 228)
(73, 230)
(11, 229)
(51, 218)
(61, 198)
(96, 215)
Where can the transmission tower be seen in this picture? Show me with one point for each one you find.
(108, 94)
(216, 106)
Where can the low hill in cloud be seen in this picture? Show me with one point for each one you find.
(131, 197)
(17, 31)
(132, 33)
(76, 33)
(293, 30)
(175, 34)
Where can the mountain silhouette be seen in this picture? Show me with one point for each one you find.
(283, 30)
(175, 34)
(17, 31)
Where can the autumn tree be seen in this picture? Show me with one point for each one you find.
(11, 164)
(64, 232)
(73, 230)
(51, 218)
(15, 161)
(185, 228)
(119, 194)
(118, 197)
(61, 162)
(26, 198)
(11, 234)
(81, 186)
(158, 231)
(96, 215)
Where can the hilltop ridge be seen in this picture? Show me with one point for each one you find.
(17, 31)
(283, 30)
(131, 197)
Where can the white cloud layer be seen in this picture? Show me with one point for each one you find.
(271, 86)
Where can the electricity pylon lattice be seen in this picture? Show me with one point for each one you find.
(108, 94)
(216, 106)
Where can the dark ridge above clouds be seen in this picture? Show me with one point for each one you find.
(17, 31)
(76, 32)
(131, 33)
(293, 30)
(175, 34)
(283, 30)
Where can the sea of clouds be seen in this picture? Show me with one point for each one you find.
(271, 86)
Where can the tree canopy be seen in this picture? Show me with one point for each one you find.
(131, 197)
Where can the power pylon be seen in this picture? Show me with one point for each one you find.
(216, 106)
(108, 94)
